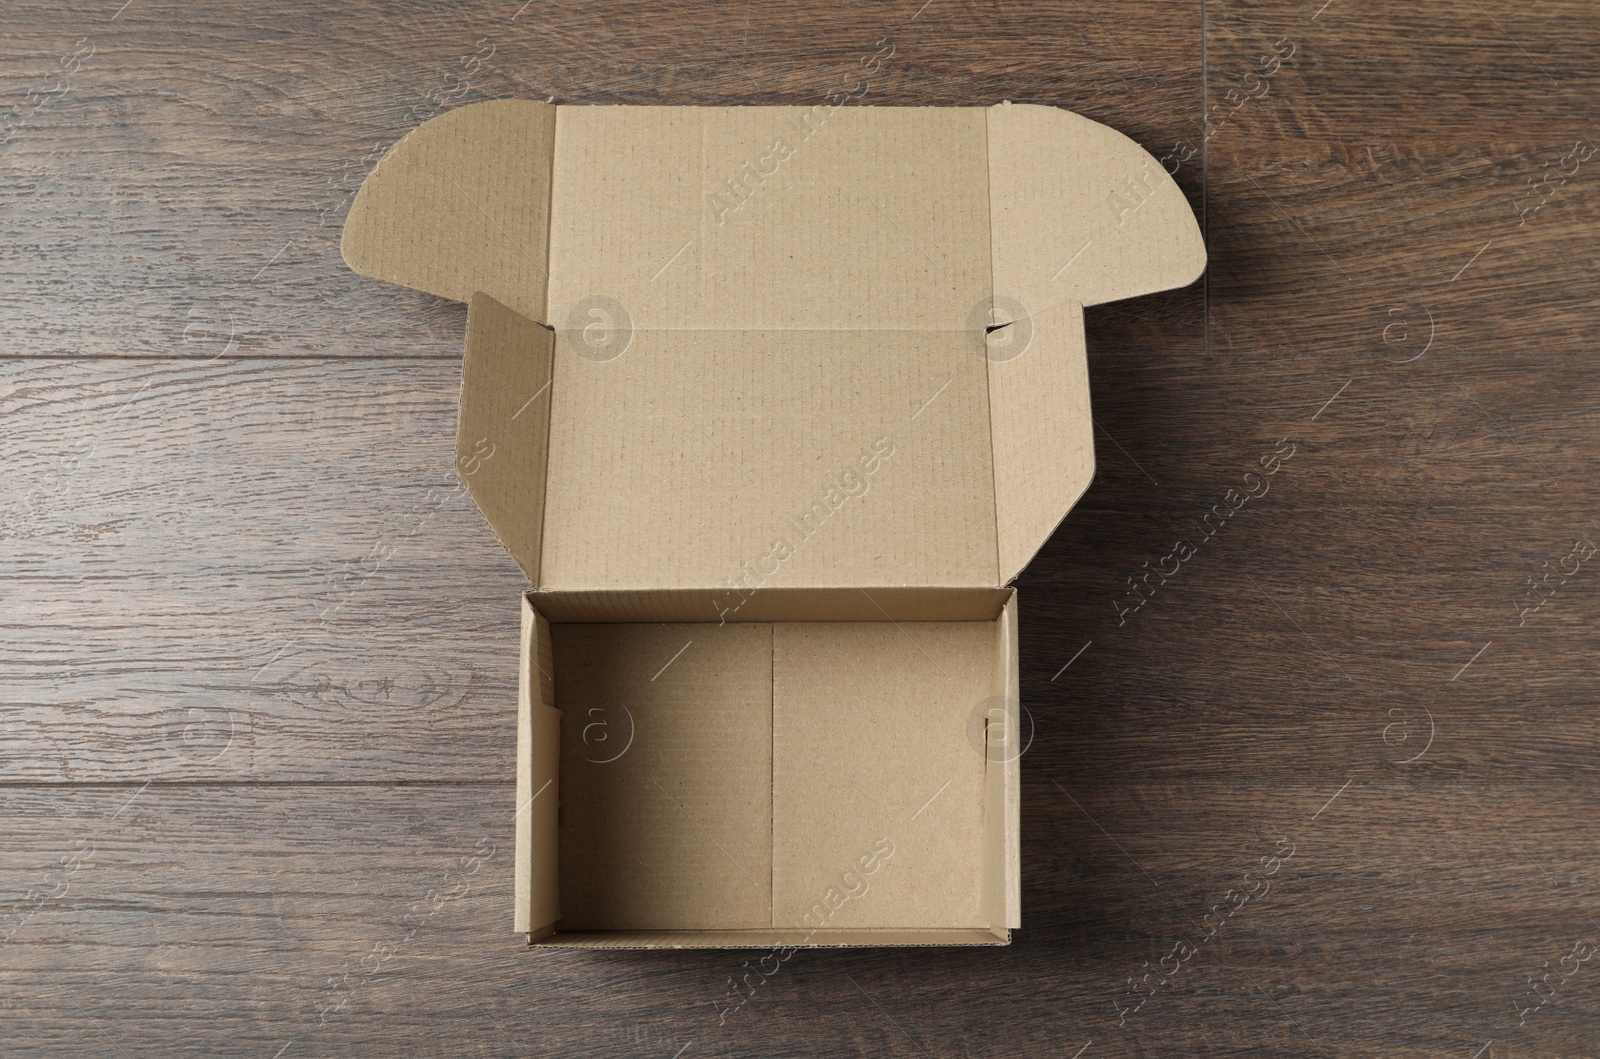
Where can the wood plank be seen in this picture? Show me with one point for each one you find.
(1353, 664)
(1370, 180)
(319, 711)
(198, 920)
(248, 568)
(189, 208)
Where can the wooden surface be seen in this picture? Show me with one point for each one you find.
(257, 727)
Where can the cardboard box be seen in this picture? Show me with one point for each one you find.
(771, 405)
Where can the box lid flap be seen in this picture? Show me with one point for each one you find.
(757, 309)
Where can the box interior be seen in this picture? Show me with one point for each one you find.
(817, 782)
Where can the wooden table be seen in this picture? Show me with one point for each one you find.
(259, 653)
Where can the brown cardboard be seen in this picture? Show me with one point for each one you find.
(1005, 739)
(462, 205)
(868, 743)
(798, 780)
(717, 471)
(731, 400)
(666, 775)
(507, 357)
(538, 771)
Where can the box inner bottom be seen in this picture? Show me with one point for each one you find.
(796, 775)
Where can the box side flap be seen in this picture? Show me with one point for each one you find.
(503, 430)
(538, 761)
(1006, 739)
(1080, 215)
(462, 204)
(1079, 212)
(1042, 432)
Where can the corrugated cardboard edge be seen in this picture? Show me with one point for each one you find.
(538, 794)
(503, 428)
(462, 204)
(768, 939)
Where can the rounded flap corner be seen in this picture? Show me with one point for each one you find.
(461, 204)
(1081, 212)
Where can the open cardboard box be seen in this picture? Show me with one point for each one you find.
(771, 405)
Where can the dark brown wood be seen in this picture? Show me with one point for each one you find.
(257, 691)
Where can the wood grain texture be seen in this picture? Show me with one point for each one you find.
(249, 569)
(258, 679)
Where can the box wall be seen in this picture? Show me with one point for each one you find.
(772, 604)
(538, 786)
(1006, 739)
(766, 939)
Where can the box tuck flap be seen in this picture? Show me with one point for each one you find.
(765, 219)
(462, 204)
(1079, 215)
